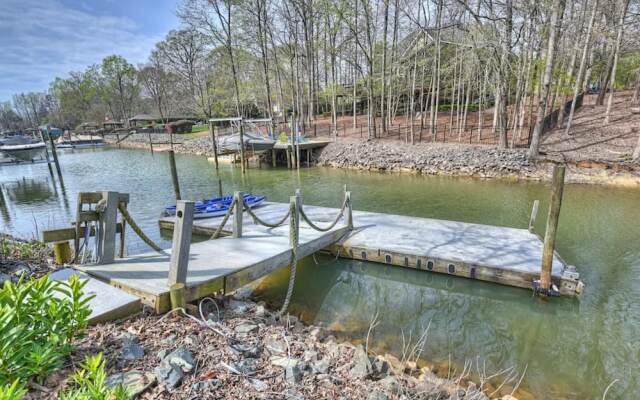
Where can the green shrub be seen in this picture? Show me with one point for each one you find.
(15, 391)
(38, 321)
(90, 383)
(199, 128)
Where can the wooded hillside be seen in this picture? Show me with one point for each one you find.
(508, 62)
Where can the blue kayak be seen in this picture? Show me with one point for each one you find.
(218, 206)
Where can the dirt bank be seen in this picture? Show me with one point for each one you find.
(243, 352)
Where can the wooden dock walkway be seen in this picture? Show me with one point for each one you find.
(508, 256)
(224, 264)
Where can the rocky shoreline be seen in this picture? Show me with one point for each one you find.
(448, 159)
(242, 351)
(452, 159)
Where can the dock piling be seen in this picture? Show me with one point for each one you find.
(55, 153)
(237, 214)
(552, 225)
(176, 295)
(174, 174)
(273, 158)
(181, 242)
(243, 158)
(214, 144)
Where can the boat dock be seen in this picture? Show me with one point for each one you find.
(277, 235)
(221, 265)
(307, 149)
(507, 256)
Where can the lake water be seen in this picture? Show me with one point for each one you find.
(570, 348)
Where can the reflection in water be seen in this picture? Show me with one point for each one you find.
(4, 207)
(572, 349)
(30, 191)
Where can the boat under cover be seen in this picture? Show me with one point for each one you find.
(22, 147)
(252, 142)
(218, 206)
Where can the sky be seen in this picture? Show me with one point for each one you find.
(44, 39)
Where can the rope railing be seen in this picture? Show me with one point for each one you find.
(218, 231)
(260, 221)
(134, 226)
(293, 215)
(294, 232)
(332, 225)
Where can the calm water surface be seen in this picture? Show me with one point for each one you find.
(570, 348)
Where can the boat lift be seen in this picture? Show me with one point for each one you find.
(239, 124)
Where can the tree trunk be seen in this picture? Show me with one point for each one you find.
(616, 52)
(583, 65)
(556, 22)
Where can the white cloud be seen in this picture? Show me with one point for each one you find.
(42, 39)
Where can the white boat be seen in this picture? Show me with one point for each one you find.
(79, 142)
(252, 142)
(22, 148)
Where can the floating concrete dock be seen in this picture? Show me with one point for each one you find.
(507, 256)
(218, 265)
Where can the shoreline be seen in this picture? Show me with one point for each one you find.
(240, 348)
(439, 159)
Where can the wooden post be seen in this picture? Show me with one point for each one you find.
(552, 225)
(118, 139)
(150, 142)
(534, 214)
(288, 151)
(122, 233)
(242, 155)
(55, 153)
(62, 252)
(174, 174)
(214, 144)
(177, 296)
(76, 240)
(347, 196)
(108, 221)
(237, 214)
(181, 243)
(273, 158)
(309, 157)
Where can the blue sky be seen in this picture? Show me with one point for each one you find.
(42, 39)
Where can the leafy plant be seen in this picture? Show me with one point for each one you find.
(14, 391)
(90, 383)
(38, 321)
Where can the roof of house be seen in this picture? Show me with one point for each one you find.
(143, 117)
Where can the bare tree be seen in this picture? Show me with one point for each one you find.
(556, 22)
